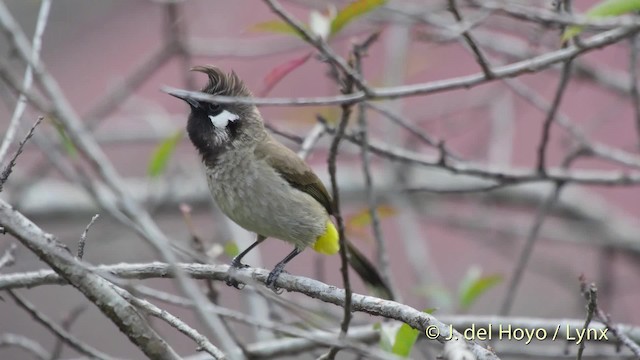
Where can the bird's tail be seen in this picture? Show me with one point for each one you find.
(368, 272)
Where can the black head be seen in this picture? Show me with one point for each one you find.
(216, 128)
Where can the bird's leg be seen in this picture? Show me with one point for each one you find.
(277, 270)
(236, 263)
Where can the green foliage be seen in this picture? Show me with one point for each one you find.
(162, 154)
(275, 26)
(68, 145)
(352, 11)
(474, 285)
(231, 249)
(603, 9)
(405, 339)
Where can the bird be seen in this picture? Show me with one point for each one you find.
(261, 184)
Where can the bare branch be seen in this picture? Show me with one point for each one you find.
(7, 259)
(21, 105)
(29, 345)
(4, 176)
(525, 254)
(83, 237)
(633, 72)
(92, 152)
(480, 58)
(319, 44)
(94, 287)
(331, 163)
(312, 288)
(172, 320)
(56, 329)
(66, 323)
(551, 115)
(534, 64)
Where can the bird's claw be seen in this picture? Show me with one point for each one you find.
(238, 265)
(230, 279)
(271, 281)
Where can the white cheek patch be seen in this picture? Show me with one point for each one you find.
(222, 120)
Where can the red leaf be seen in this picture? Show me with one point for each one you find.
(280, 71)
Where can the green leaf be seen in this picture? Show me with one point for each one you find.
(347, 14)
(162, 154)
(474, 285)
(405, 339)
(275, 26)
(352, 11)
(430, 311)
(605, 8)
(67, 144)
(231, 249)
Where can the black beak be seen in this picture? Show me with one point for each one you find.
(192, 102)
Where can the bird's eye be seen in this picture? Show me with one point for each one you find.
(214, 109)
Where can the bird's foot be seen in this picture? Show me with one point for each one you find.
(271, 280)
(230, 279)
(236, 264)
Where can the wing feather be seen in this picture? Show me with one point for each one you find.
(294, 170)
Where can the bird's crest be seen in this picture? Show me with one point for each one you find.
(221, 83)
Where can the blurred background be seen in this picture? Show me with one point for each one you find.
(453, 250)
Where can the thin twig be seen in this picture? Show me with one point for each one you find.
(592, 305)
(319, 44)
(532, 238)
(526, 252)
(8, 259)
(119, 93)
(512, 175)
(66, 324)
(470, 190)
(132, 81)
(203, 343)
(56, 329)
(4, 176)
(91, 151)
(594, 147)
(411, 128)
(382, 254)
(311, 140)
(633, 79)
(294, 332)
(93, 286)
(551, 115)
(344, 269)
(176, 34)
(309, 287)
(31, 346)
(530, 65)
(21, 105)
(480, 58)
(285, 134)
(590, 293)
(83, 237)
(539, 15)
